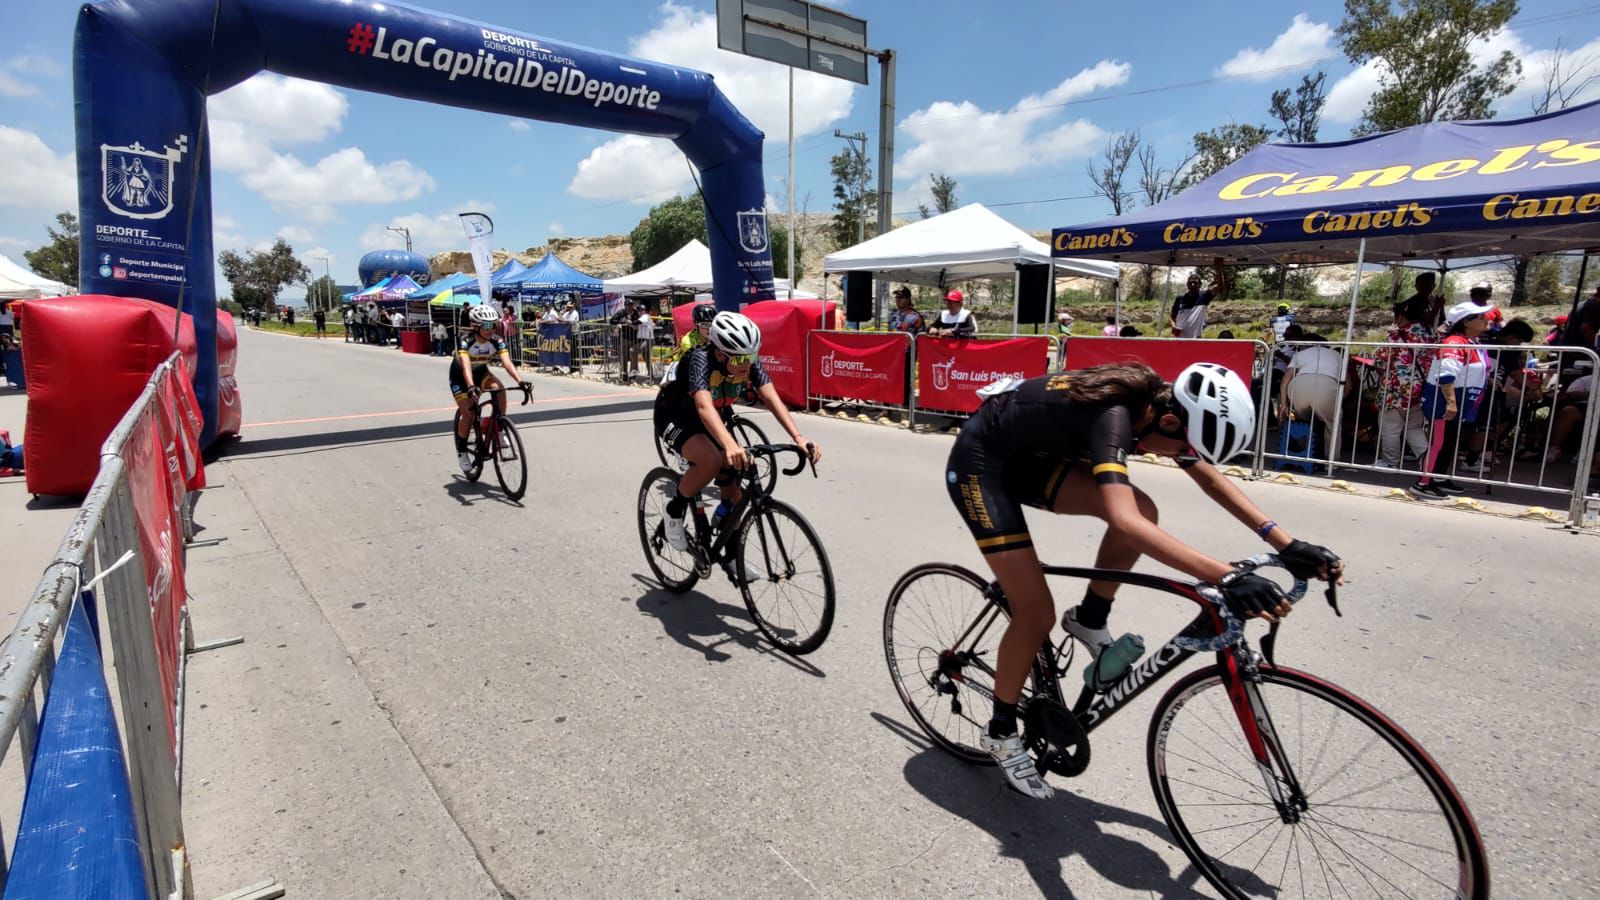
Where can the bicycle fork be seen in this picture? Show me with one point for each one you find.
(1277, 775)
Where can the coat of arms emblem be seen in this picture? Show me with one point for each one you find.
(136, 182)
(753, 230)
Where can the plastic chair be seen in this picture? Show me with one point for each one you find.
(1297, 441)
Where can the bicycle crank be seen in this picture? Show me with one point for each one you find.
(1055, 738)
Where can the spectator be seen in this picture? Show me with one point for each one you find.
(441, 339)
(1129, 331)
(1225, 334)
(1283, 351)
(288, 316)
(646, 339)
(551, 316)
(321, 320)
(570, 314)
(1517, 391)
(349, 323)
(1189, 312)
(1401, 370)
(956, 320)
(1426, 299)
(1558, 332)
(1584, 329)
(397, 322)
(1063, 323)
(1574, 403)
(1282, 321)
(904, 317)
(1454, 390)
(1313, 387)
(8, 321)
(1110, 329)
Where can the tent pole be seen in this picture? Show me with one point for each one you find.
(1166, 297)
(1577, 294)
(1355, 294)
(1344, 358)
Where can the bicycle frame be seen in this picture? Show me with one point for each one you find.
(753, 498)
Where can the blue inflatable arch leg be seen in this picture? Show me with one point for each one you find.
(143, 70)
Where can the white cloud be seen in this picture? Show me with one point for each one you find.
(294, 234)
(1302, 44)
(430, 234)
(34, 177)
(960, 138)
(38, 65)
(647, 171)
(1582, 61)
(226, 234)
(520, 125)
(12, 84)
(251, 121)
(1348, 97)
(555, 228)
(15, 244)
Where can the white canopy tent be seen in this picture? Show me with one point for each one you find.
(970, 242)
(17, 282)
(687, 271)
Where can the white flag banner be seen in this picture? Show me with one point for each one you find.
(480, 235)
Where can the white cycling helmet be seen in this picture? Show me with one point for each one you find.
(734, 334)
(1216, 405)
(484, 314)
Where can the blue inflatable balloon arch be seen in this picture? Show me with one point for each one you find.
(143, 70)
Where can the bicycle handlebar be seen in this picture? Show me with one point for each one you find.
(773, 450)
(524, 387)
(1234, 629)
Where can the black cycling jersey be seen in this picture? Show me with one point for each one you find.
(701, 370)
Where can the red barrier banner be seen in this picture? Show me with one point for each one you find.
(784, 325)
(1167, 356)
(160, 544)
(230, 411)
(857, 365)
(950, 371)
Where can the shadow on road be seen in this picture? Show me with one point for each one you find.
(1043, 834)
(246, 448)
(704, 625)
(471, 493)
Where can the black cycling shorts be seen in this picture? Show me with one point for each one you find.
(990, 490)
(674, 424)
(480, 377)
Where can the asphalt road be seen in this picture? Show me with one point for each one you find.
(444, 694)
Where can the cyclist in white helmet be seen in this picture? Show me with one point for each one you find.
(691, 412)
(1061, 443)
(469, 372)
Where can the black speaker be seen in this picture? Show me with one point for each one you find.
(1035, 304)
(858, 297)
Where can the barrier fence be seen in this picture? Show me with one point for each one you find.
(864, 368)
(129, 537)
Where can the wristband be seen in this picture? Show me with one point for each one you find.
(1266, 529)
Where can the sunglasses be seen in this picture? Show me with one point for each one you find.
(744, 360)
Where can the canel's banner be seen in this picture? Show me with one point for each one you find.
(555, 344)
(950, 371)
(143, 70)
(480, 237)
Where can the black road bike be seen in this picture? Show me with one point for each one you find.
(789, 591)
(747, 433)
(492, 436)
(1274, 782)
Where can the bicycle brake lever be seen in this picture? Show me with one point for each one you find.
(1332, 593)
(1269, 644)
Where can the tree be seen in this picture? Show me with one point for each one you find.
(322, 293)
(943, 188)
(1423, 53)
(1218, 148)
(675, 222)
(1565, 79)
(58, 259)
(1109, 174)
(1299, 110)
(258, 276)
(1157, 183)
(851, 174)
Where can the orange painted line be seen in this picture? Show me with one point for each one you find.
(418, 412)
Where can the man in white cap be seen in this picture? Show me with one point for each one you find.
(956, 320)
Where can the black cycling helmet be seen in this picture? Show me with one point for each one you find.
(704, 313)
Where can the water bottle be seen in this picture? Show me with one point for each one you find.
(1114, 662)
(719, 514)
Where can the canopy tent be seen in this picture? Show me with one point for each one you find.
(1439, 191)
(20, 282)
(441, 285)
(393, 288)
(501, 279)
(970, 242)
(552, 276)
(688, 271)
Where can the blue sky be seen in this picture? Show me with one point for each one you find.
(1011, 104)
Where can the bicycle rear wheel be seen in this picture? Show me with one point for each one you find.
(941, 636)
(1374, 815)
(474, 444)
(510, 465)
(675, 569)
(792, 598)
(749, 434)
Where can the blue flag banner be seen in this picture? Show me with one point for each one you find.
(555, 345)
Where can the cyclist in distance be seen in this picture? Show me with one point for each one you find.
(469, 373)
(692, 411)
(701, 332)
(1061, 443)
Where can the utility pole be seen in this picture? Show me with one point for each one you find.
(858, 143)
(401, 229)
(327, 274)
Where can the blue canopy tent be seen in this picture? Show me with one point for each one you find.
(550, 276)
(501, 280)
(442, 285)
(1438, 191)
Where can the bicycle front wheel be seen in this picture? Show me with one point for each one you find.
(790, 594)
(1365, 811)
(749, 434)
(510, 465)
(941, 635)
(675, 569)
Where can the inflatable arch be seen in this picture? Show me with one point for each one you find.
(143, 70)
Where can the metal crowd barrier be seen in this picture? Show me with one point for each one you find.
(816, 395)
(102, 543)
(1527, 434)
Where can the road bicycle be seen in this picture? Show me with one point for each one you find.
(1273, 781)
(746, 432)
(790, 592)
(493, 436)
